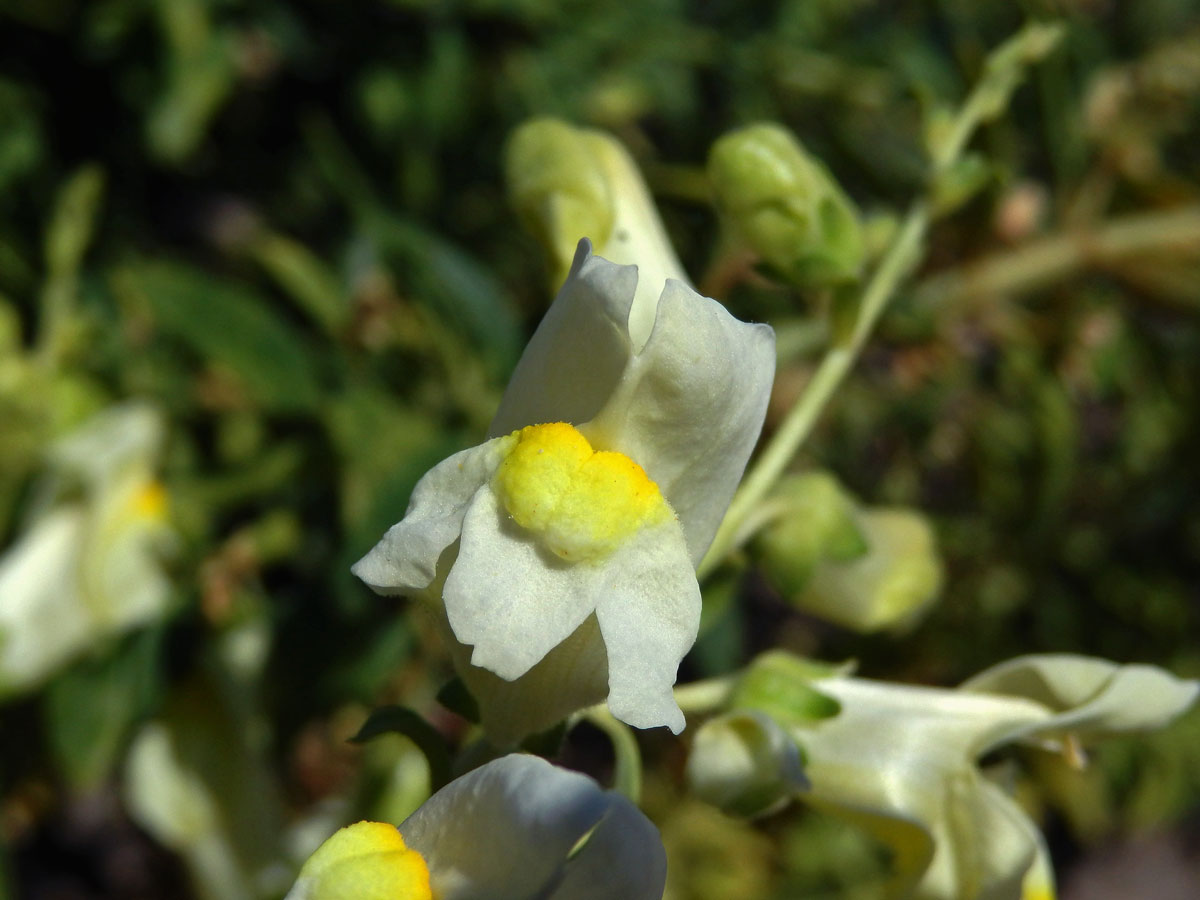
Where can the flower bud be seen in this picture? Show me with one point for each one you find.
(745, 764)
(568, 183)
(559, 190)
(889, 586)
(818, 523)
(786, 205)
(863, 568)
(779, 685)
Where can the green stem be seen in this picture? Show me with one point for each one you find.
(627, 758)
(838, 361)
(1050, 258)
(701, 697)
(987, 100)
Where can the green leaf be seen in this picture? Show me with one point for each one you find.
(229, 326)
(960, 183)
(91, 708)
(463, 293)
(70, 230)
(402, 720)
(305, 278)
(778, 684)
(386, 447)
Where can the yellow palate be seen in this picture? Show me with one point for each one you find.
(150, 501)
(365, 861)
(582, 503)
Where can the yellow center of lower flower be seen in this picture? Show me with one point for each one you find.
(582, 503)
(150, 502)
(364, 861)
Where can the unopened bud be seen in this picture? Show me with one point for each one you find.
(786, 206)
(568, 183)
(745, 764)
(863, 568)
(889, 586)
(818, 523)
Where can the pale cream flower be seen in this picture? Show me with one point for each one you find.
(902, 762)
(87, 566)
(564, 548)
(514, 829)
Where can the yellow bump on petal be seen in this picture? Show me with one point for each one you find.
(150, 502)
(539, 471)
(1038, 884)
(364, 861)
(583, 504)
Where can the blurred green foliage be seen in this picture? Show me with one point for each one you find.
(284, 224)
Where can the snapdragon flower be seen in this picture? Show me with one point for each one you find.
(563, 549)
(902, 761)
(515, 828)
(88, 565)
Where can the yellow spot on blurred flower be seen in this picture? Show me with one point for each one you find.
(150, 501)
(581, 502)
(364, 861)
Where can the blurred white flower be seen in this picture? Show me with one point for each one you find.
(902, 762)
(564, 548)
(87, 565)
(513, 829)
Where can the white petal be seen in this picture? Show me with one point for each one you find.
(578, 353)
(690, 406)
(514, 601)
(120, 572)
(687, 406)
(571, 676)
(927, 728)
(637, 236)
(901, 761)
(1089, 696)
(984, 844)
(119, 436)
(43, 618)
(623, 859)
(649, 612)
(504, 830)
(405, 559)
(508, 596)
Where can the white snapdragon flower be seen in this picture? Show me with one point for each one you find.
(513, 829)
(564, 548)
(88, 566)
(902, 761)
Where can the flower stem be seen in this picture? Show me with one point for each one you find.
(702, 697)
(1047, 259)
(987, 100)
(627, 765)
(839, 359)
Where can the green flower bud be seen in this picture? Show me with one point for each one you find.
(866, 569)
(745, 764)
(558, 188)
(818, 523)
(890, 586)
(786, 205)
(779, 684)
(568, 183)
